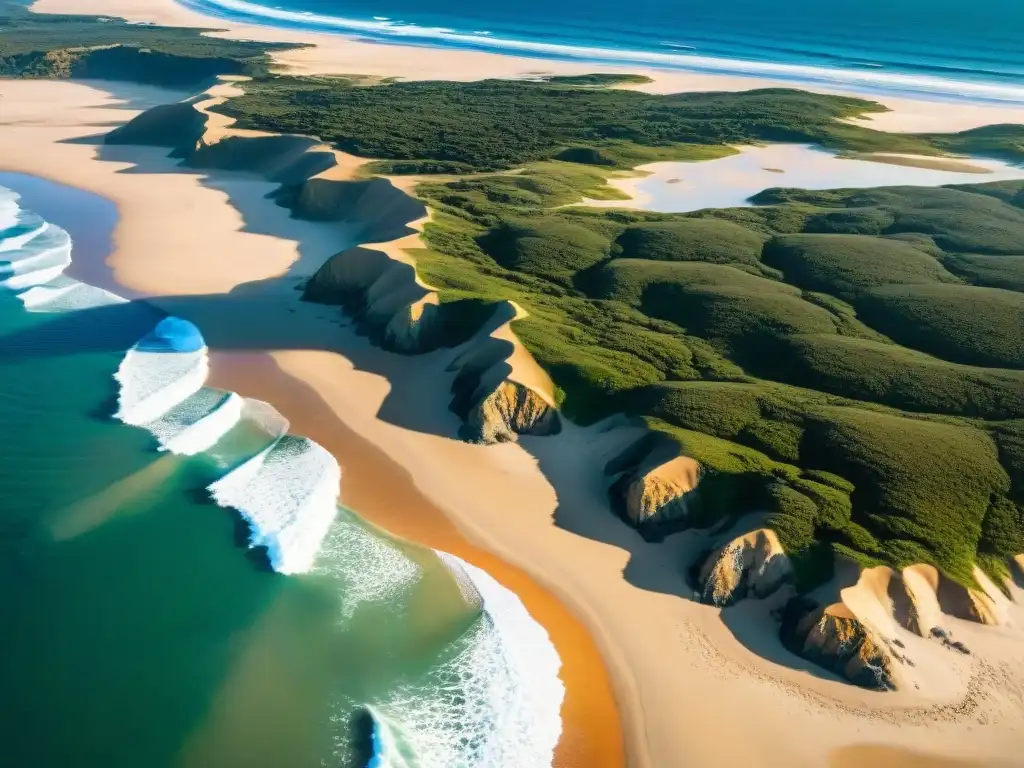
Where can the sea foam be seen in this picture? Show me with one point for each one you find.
(152, 383)
(197, 423)
(495, 704)
(869, 80)
(288, 495)
(366, 566)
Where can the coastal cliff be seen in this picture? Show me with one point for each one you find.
(884, 628)
(753, 564)
(654, 487)
(178, 126)
(499, 391)
(383, 295)
(850, 626)
(836, 639)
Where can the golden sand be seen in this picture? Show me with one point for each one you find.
(383, 492)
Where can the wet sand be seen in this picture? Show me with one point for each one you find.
(170, 219)
(695, 686)
(383, 492)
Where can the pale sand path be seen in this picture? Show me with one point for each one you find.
(337, 54)
(693, 694)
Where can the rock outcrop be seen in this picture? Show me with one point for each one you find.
(654, 486)
(288, 160)
(848, 626)
(751, 565)
(499, 391)
(383, 295)
(859, 625)
(375, 208)
(508, 411)
(836, 639)
(662, 492)
(934, 594)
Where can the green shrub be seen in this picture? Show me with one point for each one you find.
(710, 240)
(895, 376)
(552, 248)
(962, 324)
(845, 265)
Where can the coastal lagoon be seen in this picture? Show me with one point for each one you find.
(186, 589)
(676, 187)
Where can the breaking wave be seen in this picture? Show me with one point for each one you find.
(33, 257)
(288, 495)
(153, 382)
(495, 704)
(871, 79)
(37, 260)
(197, 423)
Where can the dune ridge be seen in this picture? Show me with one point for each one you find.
(500, 392)
(834, 721)
(376, 281)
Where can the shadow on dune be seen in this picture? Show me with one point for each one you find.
(267, 315)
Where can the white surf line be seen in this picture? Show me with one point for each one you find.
(288, 494)
(869, 79)
(501, 696)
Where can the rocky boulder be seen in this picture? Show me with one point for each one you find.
(751, 565)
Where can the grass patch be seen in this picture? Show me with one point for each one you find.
(64, 46)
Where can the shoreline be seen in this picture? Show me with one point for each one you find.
(688, 674)
(341, 54)
(375, 486)
(922, 82)
(383, 493)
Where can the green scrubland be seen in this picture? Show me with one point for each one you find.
(64, 46)
(850, 362)
(839, 360)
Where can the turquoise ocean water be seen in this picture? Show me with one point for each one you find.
(181, 587)
(940, 48)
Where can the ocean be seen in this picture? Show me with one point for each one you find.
(182, 588)
(946, 49)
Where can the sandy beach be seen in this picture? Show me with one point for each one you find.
(47, 132)
(686, 684)
(330, 54)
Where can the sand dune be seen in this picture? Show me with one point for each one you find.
(698, 686)
(339, 55)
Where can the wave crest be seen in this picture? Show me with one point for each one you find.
(33, 257)
(868, 79)
(288, 495)
(497, 703)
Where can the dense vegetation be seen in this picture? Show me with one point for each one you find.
(55, 46)
(445, 127)
(837, 358)
(850, 362)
